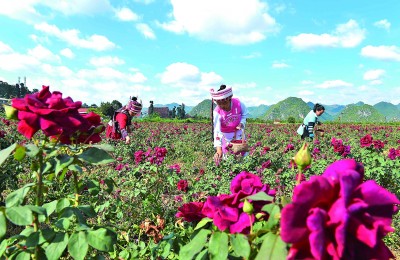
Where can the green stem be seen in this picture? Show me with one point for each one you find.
(298, 180)
(76, 189)
(39, 194)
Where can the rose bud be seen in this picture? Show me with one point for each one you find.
(303, 157)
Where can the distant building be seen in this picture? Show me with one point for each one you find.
(162, 111)
(5, 101)
(83, 111)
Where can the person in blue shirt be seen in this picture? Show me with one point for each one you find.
(307, 128)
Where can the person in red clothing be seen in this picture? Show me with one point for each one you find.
(118, 127)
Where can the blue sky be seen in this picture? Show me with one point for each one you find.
(332, 52)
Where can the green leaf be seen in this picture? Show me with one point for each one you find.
(202, 223)
(57, 246)
(16, 198)
(3, 224)
(218, 246)
(3, 247)
(20, 152)
(40, 237)
(33, 239)
(88, 210)
(37, 209)
(93, 187)
(23, 256)
(105, 147)
(102, 239)
(20, 215)
(189, 250)
(61, 204)
(62, 223)
(75, 168)
(78, 245)
(110, 184)
(240, 245)
(62, 161)
(96, 156)
(272, 248)
(32, 150)
(202, 255)
(6, 152)
(260, 196)
(50, 207)
(48, 166)
(274, 214)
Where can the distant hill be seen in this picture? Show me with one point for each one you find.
(389, 110)
(334, 109)
(258, 111)
(203, 109)
(360, 114)
(297, 108)
(290, 107)
(172, 105)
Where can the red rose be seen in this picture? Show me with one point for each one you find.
(48, 112)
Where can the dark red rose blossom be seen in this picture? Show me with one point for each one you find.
(182, 185)
(191, 211)
(366, 141)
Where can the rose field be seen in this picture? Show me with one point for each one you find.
(69, 193)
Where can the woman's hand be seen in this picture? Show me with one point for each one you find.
(127, 139)
(240, 126)
(218, 155)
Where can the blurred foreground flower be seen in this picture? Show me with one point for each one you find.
(338, 216)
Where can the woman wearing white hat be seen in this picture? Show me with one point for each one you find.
(229, 119)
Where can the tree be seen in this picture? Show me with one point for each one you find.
(173, 112)
(106, 109)
(151, 108)
(181, 111)
(291, 120)
(116, 105)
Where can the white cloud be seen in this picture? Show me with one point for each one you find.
(172, 26)
(376, 82)
(385, 24)
(67, 53)
(146, 31)
(126, 14)
(4, 48)
(306, 93)
(28, 10)
(346, 35)
(180, 74)
(80, 84)
(193, 84)
(387, 53)
(279, 65)
(329, 84)
(246, 21)
(43, 54)
(306, 82)
(374, 74)
(94, 42)
(146, 2)
(106, 61)
(252, 55)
